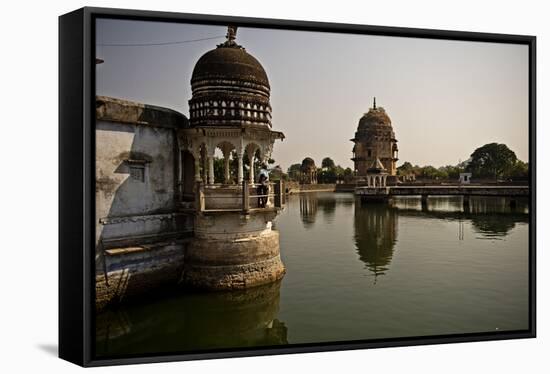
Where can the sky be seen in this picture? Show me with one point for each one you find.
(445, 98)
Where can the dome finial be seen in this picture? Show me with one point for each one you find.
(231, 33)
(374, 105)
(230, 37)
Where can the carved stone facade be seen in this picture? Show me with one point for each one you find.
(161, 218)
(375, 140)
(234, 246)
(230, 110)
(308, 171)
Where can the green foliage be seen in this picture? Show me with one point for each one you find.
(519, 170)
(327, 163)
(327, 175)
(492, 160)
(405, 169)
(219, 170)
(294, 172)
(277, 174)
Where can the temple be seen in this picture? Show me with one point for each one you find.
(375, 143)
(308, 171)
(164, 216)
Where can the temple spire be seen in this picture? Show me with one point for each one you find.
(374, 105)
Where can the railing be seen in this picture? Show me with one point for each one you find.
(235, 198)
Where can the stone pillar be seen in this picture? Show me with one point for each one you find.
(226, 169)
(251, 176)
(210, 170)
(197, 169)
(205, 169)
(240, 168)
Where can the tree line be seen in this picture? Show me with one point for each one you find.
(329, 172)
(491, 161)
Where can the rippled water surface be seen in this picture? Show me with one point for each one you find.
(354, 271)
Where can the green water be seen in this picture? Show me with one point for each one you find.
(354, 272)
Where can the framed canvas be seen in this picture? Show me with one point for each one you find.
(235, 186)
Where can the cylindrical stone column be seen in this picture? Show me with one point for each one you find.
(251, 176)
(210, 170)
(227, 174)
(240, 168)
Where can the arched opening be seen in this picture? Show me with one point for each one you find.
(252, 162)
(225, 164)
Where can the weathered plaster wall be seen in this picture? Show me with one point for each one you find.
(232, 251)
(126, 206)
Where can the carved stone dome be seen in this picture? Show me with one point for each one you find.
(374, 117)
(229, 88)
(232, 63)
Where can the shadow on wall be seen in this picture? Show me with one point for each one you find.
(135, 185)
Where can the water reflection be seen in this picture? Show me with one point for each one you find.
(330, 242)
(375, 235)
(376, 225)
(312, 203)
(193, 322)
(308, 209)
(490, 217)
(328, 207)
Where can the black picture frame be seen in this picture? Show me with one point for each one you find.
(76, 181)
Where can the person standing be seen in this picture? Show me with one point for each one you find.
(263, 187)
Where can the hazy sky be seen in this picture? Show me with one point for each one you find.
(445, 98)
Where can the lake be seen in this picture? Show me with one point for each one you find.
(354, 271)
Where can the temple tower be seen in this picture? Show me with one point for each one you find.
(375, 140)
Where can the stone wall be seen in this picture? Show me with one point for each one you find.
(128, 203)
(136, 271)
(233, 251)
(139, 230)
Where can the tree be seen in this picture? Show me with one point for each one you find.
(326, 176)
(294, 172)
(405, 169)
(219, 170)
(277, 174)
(348, 175)
(327, 163)
(492, 160)
(519, 170)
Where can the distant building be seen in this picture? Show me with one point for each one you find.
(375, 140)
(308, 171)
(465, 178)
(377, 175)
